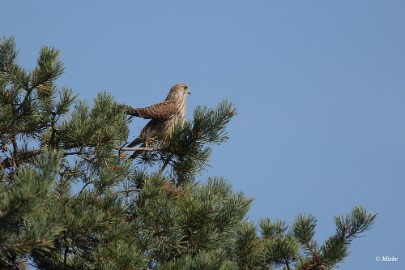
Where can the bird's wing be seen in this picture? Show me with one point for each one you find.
(161, 110)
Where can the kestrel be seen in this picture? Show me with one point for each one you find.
(164, 116)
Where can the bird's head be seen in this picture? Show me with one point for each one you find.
(179, 90)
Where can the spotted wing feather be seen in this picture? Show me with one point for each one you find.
(163, 110)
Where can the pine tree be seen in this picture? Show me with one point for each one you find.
(71, 199)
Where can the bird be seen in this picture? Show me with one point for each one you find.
(164, 117)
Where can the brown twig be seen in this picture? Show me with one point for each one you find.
(138, 148)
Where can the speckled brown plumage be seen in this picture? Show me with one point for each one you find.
(164, 116)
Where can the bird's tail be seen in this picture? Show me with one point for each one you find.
(135, 142)
(137, 152)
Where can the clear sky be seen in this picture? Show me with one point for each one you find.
(319, 86)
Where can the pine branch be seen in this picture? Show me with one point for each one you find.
(336, 248)
(18, 158)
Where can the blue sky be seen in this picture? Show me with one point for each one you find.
(319, 86)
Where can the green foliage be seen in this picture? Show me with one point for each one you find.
(71, 199)
(26, 225)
